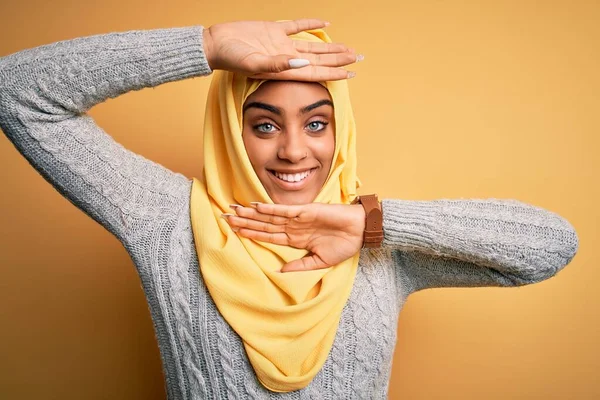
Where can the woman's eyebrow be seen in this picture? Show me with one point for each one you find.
(262, 106)
(318, 104)
(277, 111)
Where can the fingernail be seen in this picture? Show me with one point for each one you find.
(234, 206)
(254, 203)
(298, 62)
(351, 74)
(225, 216)
(235, 229)
(360, 57)
(327, 23)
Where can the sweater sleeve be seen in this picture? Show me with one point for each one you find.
(469, 243)
(45, 92)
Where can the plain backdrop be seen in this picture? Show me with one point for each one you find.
(455, 99)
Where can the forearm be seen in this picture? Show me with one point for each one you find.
(44, 93)
(72, 76)
(525, 244)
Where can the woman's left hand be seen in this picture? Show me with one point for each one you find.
(331, 233)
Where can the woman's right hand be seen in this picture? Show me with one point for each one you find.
(263, 50)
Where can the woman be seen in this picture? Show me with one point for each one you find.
(233, 315)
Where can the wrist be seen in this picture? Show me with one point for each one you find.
(373, 225)
(359, 218)
(207, 45)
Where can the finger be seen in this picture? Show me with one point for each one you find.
(281, 210)
(266, 64)
(308, 263)
(245, 223)
(299, 25)
(275, 238)
(280, 63)
(309, 74)
(332, 60)
(253, 213)
(304, 46)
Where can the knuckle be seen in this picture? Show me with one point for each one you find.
(275, 68)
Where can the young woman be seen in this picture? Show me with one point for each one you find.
(254, 273)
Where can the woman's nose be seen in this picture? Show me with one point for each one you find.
(292, 147)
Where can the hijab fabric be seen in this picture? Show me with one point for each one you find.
(287, 321)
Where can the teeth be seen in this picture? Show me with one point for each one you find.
(292, 177)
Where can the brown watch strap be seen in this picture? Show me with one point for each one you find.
(373, 236)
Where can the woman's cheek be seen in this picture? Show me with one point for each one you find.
(325, 148)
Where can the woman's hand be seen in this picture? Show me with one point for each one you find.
(263, 50)
(331, 233)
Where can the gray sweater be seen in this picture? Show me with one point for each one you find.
(44, 94)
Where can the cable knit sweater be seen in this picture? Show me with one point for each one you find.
(44, 94)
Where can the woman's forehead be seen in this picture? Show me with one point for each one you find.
(283, 91)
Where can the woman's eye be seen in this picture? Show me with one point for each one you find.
(265, 128)
(316, 126)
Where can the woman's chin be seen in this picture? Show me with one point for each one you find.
(292, 198)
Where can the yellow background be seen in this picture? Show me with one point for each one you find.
(455, 99)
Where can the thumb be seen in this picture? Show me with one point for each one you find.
(280, 63)
(307, 263)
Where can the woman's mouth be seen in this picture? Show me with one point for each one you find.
(296, 180)
(297, 177)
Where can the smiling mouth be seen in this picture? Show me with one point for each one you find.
(292, 181)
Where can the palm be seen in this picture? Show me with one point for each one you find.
(260, 38)
(262, 50)
(331, 233)
(321, 229)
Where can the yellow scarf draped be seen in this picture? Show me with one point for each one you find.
(287, 321)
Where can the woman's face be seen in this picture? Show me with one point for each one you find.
(289, 135)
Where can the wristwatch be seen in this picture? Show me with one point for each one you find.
(373, 235)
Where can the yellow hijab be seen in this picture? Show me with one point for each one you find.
(287, 321)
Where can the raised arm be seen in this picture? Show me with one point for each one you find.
(437, 243)
(45, 92)
(461, 243)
